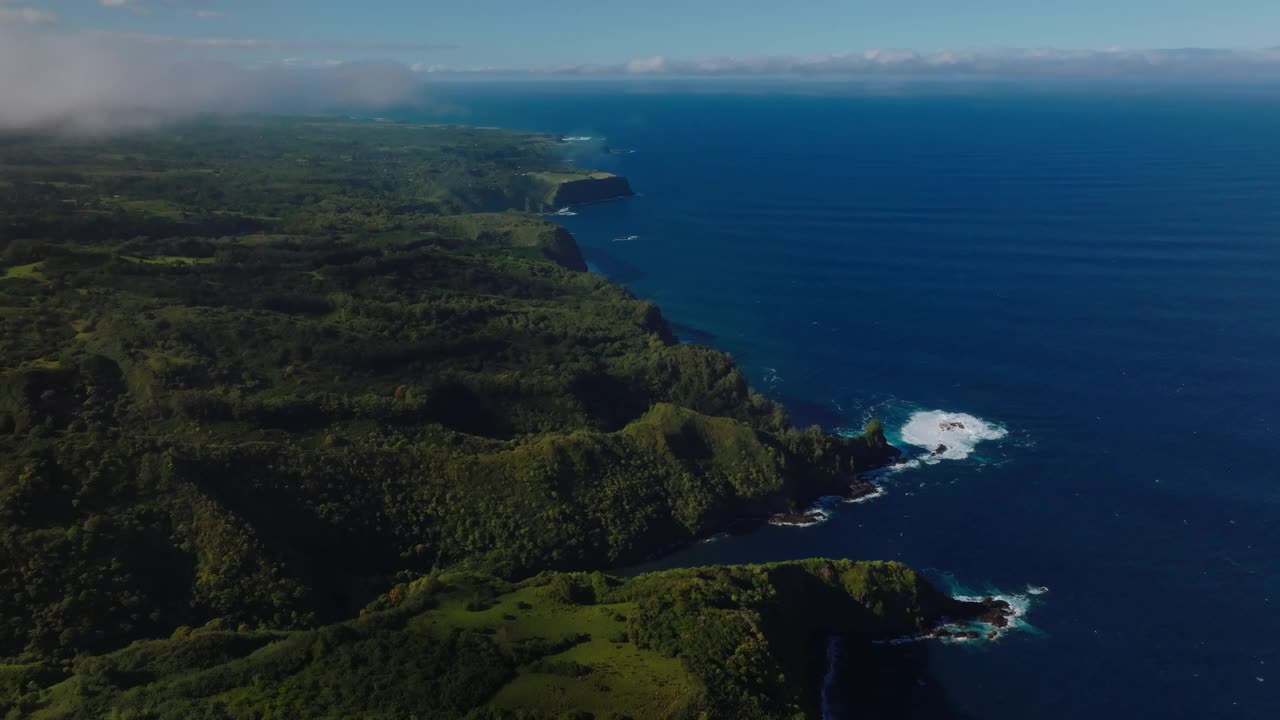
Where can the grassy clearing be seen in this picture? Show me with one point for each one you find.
(168, 260)
(558, 178)
(32, 271)
(623, 679)
(83, 329)
(154, 208)
(61, 185)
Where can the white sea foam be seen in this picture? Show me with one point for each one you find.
(946, 435)
(820, 512)
(905, 465)
(1019, 606)
(562, 212)
(876, 494)
(772, 378)
(576, 139)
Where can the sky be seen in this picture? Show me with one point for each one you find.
(105, 65)
(519, 34)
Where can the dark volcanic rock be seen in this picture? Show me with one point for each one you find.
(860, 489)
(997, 613)
(797, 518)
(993, 612)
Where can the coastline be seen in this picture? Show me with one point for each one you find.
(967, 619)
(804, 506)
(708, 454)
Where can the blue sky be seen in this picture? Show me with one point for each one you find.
(529, 33)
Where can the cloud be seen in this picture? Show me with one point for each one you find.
(269, 44)
(253, 43)
(1028, 64)
(26, 16)
(137, 7)
(80, 81)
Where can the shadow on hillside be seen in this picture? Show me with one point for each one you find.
(692, 335)
(804, 413)
(613, 267)
(878, 682)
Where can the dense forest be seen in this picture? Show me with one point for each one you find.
(723, 642)
(258, 374)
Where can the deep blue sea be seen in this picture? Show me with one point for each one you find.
(1094, 275)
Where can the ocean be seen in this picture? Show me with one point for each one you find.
(1088, 282)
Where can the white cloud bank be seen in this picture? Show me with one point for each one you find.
(1162, 65)
(54, 77)
(26, 16)
(83, 81)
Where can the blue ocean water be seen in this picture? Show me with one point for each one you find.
(1096, 274)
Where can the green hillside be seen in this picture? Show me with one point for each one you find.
(260, 377)
(714, 642)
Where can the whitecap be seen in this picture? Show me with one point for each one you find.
(577, 139)
(772, 378)
(948, 436)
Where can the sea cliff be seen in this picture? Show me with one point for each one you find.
(595, 187)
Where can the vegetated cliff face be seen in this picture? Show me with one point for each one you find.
(229, 403)
(741, 642)
(596, 187)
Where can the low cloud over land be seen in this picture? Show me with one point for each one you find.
(87, 81)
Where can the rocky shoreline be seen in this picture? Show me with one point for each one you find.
(819, 509)
(995, 613)
(966, 620)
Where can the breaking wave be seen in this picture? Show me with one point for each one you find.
(979, 631)
(947, 435)
(818, 513)
(875, 494)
